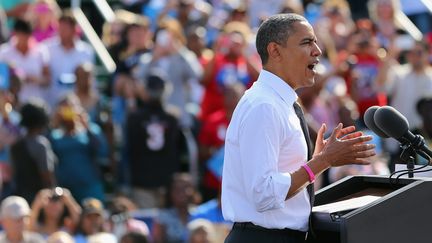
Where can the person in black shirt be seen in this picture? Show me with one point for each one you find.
(126, 54)
(152, 142)
(32, 157)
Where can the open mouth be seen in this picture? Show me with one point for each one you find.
(312, 66)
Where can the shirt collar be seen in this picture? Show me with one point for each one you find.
(285, 91)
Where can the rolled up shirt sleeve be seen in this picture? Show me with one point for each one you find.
(260, 135)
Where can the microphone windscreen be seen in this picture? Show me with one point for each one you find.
(370, 122)
(391, 122)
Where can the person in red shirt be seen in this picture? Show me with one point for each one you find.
(362, 74)
(229, 64)
(212, 137)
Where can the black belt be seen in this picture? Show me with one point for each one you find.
(251, 226)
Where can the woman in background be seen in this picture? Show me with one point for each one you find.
(44, 15)
(81, 148)
(54, 210)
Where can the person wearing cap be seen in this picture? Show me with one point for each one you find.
(92, 220)
(136, 41)
(14, 213)
(179, 64)
(152, 134)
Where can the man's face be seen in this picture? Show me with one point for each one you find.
(299, 56)
(66, 30)
(22, 37)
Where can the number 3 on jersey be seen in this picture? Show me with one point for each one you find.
(156, 136)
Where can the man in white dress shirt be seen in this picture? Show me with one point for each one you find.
(66, 53)
(266, 167)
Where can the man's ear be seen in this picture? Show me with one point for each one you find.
(273, 51)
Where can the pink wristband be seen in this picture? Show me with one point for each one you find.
(310, 173)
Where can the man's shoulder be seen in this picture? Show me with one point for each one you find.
(9, 54)
(7, 48)
(38, 144)
(252, 108)
(259, 95)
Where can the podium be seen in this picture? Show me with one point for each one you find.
(360, 209)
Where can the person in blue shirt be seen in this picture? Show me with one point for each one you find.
(81, 148)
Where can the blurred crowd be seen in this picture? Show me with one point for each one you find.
(137, 155)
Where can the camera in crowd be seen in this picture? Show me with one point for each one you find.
(57, 194)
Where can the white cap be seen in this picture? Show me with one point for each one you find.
(14, 207)
(102, 237)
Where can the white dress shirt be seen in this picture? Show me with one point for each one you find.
(406, 88)
(30, 64)
(63, 62)
(264, 144)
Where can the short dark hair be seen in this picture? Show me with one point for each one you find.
(276, 29)
(34, 115)
(68, 17)
(23, 26)
(134, 237)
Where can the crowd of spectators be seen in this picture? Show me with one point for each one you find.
(137, 156)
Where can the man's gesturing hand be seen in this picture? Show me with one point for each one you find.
(344, 146)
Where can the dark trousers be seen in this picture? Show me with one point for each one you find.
(249, 233)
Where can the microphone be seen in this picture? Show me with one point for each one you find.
(370, 122)
(395, 125)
